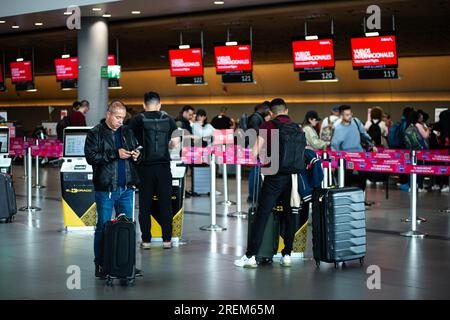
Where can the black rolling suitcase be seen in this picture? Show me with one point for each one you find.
(119, 250)
(270, 242)
(339, 225)
(8, 206)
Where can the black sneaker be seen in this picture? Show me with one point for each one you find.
(99, 272)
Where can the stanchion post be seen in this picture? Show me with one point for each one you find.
(448, 199)
(238, 213)
(413, 203)
(213, 226)
(341, 173)
(37, 185)
(226, 201)
(29, 207)
(325, 170)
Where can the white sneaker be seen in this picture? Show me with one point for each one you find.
(286, 261)
(245, 262)
(435, 187)
(445, 189)
(146, 245)
(421, 190)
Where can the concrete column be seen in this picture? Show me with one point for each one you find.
(92, 55)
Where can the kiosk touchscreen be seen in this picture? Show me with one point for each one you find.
(77, 188)
(5, 161)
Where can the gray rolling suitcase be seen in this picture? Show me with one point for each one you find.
(8, 207)
(339, 225)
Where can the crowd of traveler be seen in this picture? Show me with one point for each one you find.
(129, 151)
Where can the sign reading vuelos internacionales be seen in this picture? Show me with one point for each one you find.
(233, 58)
(186, 62)
(372, 52)
(313, 54)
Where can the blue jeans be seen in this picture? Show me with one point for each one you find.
(122, 201)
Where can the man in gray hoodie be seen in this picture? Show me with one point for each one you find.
(347, 137)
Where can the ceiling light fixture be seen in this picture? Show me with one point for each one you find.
(38, 23)
(65, 56)
(219, 2)
(67, 13)
(2, 21)
(231, 43)
(32, 90)
(135, 12)
(372, 34)
(184, 46)
(15, 27)
(96, 9)
(311, 37)
(19, 59)
(106, 15)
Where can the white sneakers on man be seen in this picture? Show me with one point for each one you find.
(286, 261)
(245, 262)
(445, 189)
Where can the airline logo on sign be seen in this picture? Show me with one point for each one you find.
(186, 62)
(374, 51)
(233, 58)
(21, 71)
(313, 54)
(66, 68)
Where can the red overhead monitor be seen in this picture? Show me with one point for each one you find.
(111, 60)
(186, 62)
(21, 71)
(66, 68)
(317, 54)
(374, 52)
(1, 73)
(233, 58)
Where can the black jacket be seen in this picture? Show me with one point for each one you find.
(101, 152)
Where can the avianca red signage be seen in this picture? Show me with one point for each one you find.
(66, 68)
(313, 54)
(379, 51)
(186, 62)
(1, 74)
(21, 71)
(236, 58)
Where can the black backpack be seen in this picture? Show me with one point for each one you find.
(156, 137)
(292, 147)
(60, 126)
(243, 122)
(375, 132)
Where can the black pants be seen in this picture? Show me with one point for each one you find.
(274, 188)
(156, 180)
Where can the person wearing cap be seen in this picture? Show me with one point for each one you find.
(309, 126)
(329, 123)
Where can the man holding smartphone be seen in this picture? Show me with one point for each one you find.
(113, 151)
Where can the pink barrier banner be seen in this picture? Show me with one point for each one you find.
(46, 148)
(433, 157)
(223, 136)
(398, 168)
(227, 155)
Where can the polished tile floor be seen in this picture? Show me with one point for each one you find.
(35, 253)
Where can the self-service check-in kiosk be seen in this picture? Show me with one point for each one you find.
(5, 160)
(77, 188)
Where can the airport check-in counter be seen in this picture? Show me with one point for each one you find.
(77, 188)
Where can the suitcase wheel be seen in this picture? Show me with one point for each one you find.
(361, 261)
(336, 264)
(109, 281)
